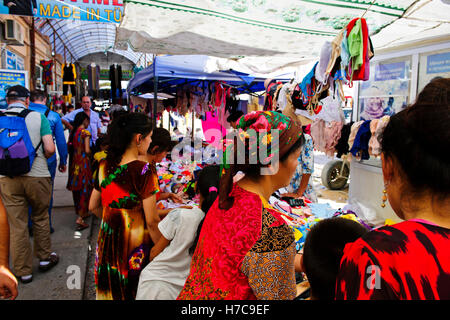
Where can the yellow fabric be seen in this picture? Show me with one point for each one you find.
(100, 156)
(74, 74)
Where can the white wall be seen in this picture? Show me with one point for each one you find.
(365, 192)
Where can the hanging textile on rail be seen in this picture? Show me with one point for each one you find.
(271, 86)
(69, 75)
(47, 75)
(115, 76)
(93, 71)
(211, 128)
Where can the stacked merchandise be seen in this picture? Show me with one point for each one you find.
(177, 177)
(301, 215)
(297, 215)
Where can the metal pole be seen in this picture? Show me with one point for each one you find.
(193, 123)
(54, 62)
(155, 98)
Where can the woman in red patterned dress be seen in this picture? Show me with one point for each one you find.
(409, 260)
(80, 175)
(245, 249)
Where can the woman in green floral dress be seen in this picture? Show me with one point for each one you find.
(124, 198)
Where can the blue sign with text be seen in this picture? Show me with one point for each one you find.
(390, 71)
(8, 79)
(438, 63)
(86, 10)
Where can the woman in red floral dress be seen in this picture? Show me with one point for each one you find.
(80, 180)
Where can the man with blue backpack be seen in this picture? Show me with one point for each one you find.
(26, 142)
(38, 103)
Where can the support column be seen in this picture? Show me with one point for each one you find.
(32, 55)
(155, 99)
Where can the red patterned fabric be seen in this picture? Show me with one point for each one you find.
(47, 76)
(409, 260)
(226, 237)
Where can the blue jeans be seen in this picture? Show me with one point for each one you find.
(52, 169)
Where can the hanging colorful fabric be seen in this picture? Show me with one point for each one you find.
(47, 74)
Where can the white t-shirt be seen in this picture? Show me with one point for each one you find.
(172, 265)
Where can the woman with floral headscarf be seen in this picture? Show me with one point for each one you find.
(246, 250)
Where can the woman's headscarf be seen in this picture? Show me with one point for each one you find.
(262, 122)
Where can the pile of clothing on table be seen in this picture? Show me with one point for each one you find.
(301, 215)
(177, 177)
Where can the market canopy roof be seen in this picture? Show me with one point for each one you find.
(81, 38)
(174, 70)
(291, 29)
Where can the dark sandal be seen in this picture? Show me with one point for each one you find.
(52, 261)
(82, 226)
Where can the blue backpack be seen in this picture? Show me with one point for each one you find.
(16, 149)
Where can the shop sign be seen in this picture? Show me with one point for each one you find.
(438, 63)
(20, 63)
(104, 74)
(8, 79)
(13, 61)
(390, 71)
(86, 10)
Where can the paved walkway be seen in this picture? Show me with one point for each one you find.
(72, 278)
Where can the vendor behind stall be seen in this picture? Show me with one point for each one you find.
(301, 183)
(160, 146)
(234, 117)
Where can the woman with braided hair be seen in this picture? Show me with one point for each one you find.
(245, 249)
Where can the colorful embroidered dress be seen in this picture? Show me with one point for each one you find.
(244, 253)
(124, 243)
(80, 174)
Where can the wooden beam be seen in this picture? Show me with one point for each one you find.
(32, 56)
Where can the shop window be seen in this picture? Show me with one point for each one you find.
(38, 71)
(385, 93)
(431, 65)
(388, 89)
